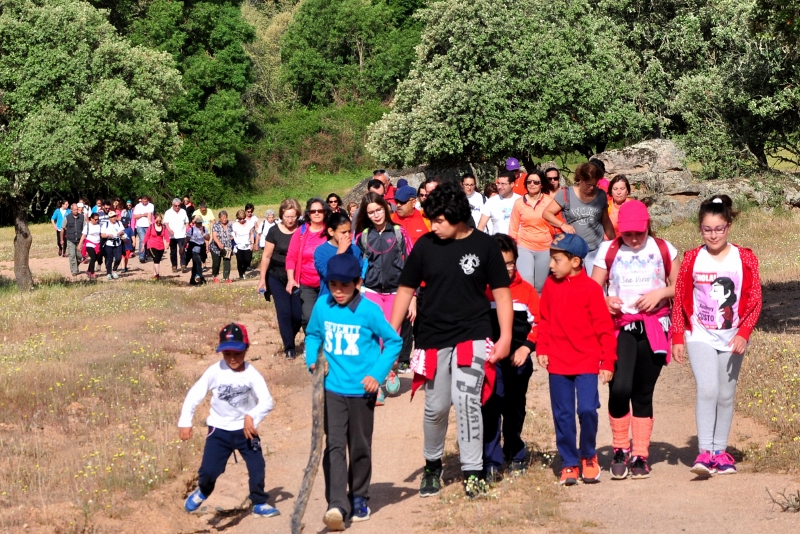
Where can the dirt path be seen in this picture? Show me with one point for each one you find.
(671, 501)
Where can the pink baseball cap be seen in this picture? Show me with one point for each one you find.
(633, 217)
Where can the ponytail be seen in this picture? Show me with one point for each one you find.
(721, 205)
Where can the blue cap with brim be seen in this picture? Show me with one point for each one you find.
(344, 268)
(233, 337)
(572, 243)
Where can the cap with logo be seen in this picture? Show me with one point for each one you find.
(233, 337)
(572, 243)
(512, 164)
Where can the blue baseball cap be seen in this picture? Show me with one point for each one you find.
(344, 268)
(233, 337)
(402, 182)
(572, 243)
(405, 193)
(512, 164)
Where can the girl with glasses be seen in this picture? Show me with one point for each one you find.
(717, 304)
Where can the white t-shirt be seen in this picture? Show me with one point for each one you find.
(92, 233)
(235, 394)
(499, 211)
(140, 209)
(476, 202)
(115, 229)
(241, 235)
(176, 221)
(717, 293)
(264, 227)
(252, 221)
(635, 273)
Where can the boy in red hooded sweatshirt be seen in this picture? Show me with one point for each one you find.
(576, 343)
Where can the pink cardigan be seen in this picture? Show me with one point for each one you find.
(300, 256)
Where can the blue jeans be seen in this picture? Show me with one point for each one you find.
(141, 231)
(220, 444)
(563, 391)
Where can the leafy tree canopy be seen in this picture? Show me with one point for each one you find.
(526, 77)
(342, 50)
(78, 105)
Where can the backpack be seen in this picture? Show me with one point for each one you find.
(662, 248)
(365, 246)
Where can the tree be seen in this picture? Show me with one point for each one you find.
(779, 19)
(78, 104)
(522, 77)
(344, 50)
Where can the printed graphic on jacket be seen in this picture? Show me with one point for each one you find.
(341, 338)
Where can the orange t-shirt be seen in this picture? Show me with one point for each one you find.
(527, 227)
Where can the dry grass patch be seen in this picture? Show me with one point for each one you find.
(89, 392)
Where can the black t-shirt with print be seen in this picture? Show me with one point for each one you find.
(456, 273)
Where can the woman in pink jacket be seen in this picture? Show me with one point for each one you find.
(300, 269)
(155, 238)
(717, 304)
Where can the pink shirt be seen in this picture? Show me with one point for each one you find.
(306, 274)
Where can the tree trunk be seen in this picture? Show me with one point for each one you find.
(22, 246)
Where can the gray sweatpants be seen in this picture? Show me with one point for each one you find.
(534, 267)
(716, 373)
(461, 387)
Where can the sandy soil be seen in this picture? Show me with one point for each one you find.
(673, 500)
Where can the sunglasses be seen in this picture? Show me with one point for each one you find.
(553, 178)
(333, 201)
(315, 212)
(533, 182)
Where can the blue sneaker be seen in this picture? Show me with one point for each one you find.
(360, 509)
(392, 383)
(265, 510)
(194, 501)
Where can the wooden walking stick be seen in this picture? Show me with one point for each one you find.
(317, 432)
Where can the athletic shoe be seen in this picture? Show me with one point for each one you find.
(265, 510)
(569, 476)
(392, 383)
(381, 400)
(216, 280)
(704, 465)
(360, 510)
(619, 464)
(194, 501)
(290, 354)
(639, 467)
(474, 485)
(516, 468)
(184, 269)
(124, 270)
(724, 463)
(403, 368)
(114, 275)
(431, 482)
(174, 269)
(228, 281)
(493, 475)
(156, 277)
(108, 277)
(590, 470)
(334, 519)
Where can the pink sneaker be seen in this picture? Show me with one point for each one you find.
(704, 465)
(724, 464)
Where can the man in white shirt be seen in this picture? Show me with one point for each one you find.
(176, 220)
(475, 198)
(498, 208)
(143, 217)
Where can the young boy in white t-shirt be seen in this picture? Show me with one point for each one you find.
(239, 403)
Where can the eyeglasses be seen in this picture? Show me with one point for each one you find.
(249, 212)
(289, 217)
(553, 178)
(510, 265)
(533, 182)
(705, 230)
(501, 183)
(375, 213)
(316, 212)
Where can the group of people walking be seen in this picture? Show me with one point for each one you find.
(115, 232)
(463, 290)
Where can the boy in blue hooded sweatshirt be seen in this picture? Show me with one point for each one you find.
(349, 329)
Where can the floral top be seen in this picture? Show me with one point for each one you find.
(224, 234)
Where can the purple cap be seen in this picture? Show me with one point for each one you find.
(512, 164)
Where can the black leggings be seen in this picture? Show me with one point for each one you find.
(93, 255)
(243, 259)
(635, 375)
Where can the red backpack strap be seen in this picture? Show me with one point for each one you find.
(612, 253)
(664, 250)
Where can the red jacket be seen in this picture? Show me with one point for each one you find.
(526, 314)
(749, 303)
(415, 226)
(576, 332)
